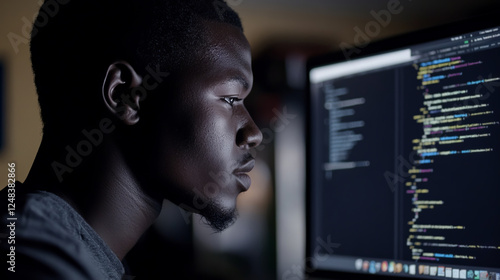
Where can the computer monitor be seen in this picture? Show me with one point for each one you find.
(403, 157)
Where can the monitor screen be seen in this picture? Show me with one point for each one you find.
(403, 157)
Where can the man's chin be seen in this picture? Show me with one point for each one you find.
(218, 217)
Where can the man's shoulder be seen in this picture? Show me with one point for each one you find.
(39, 213)
(51, 238)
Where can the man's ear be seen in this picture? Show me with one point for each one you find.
(117, 92)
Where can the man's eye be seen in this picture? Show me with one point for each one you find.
(230, 100)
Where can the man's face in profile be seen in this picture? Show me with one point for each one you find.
(199, 151)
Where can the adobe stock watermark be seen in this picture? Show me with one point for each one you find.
(483, 92)
(490, 88)
(40, 19)
(402, 170)
(323, 249)
(277, 124)
(363, 37)
(91, 139)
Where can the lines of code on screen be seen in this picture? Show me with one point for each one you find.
(451, 194)
(410, 161)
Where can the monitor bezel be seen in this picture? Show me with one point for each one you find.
(464, 26)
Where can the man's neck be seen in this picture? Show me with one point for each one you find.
(104, 191)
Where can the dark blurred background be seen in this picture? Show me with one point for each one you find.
(267, 242)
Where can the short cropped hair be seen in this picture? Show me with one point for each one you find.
(74, 41)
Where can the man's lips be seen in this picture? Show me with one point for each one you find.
(241, 174)
(246, 167)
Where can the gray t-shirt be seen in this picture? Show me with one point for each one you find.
(52, 241)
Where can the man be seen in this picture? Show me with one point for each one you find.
(141, 101)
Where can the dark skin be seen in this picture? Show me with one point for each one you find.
(189, 142)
